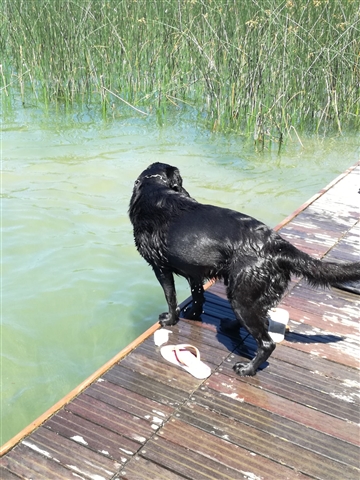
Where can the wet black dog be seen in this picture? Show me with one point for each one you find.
(176, 234)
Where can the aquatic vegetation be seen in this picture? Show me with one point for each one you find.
(266, 68)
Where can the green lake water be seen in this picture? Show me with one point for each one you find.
(74, 289)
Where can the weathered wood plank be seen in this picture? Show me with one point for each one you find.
(313, 248)
(184, 460)
(341, 390)
(276, 426)
(73, 456)
(205, 455)
(324, 345)
(130, 402)
(6, 474)
(329, 303)
(320, 221)
(240, 390)
(286, 383)
(276, 448)
(112, 418)
(32, 463)
(292, 353)
(142, 469)
(93, 436)
(159, 370)
(150, 388)
(336, 324)
(313, 363)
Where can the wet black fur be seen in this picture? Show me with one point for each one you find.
(176, 234)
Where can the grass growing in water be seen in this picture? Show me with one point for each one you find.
(264, 68)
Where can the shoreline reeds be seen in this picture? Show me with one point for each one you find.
(257, 68)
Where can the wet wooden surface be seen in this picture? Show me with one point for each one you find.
(297, 418)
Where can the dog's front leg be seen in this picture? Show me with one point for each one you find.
(194, 311)
(166, 280)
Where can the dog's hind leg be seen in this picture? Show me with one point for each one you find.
(254, 320)
(194, 311)
(166, 280)
(252, 291)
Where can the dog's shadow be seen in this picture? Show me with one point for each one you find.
(218, 314)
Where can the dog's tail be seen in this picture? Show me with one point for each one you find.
(317, 272)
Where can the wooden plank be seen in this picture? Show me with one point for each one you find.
(276, 426)
(142, 469)
(306, 390)
(341, 212)
(323, 345)
(161, 371)
(130, 402)
(183, 460)
(315, 237)
(316, 249)
(348, 249)
(73, 456)
(290, 352)
(318, 343)
(6, 474)
(315, 364)
(317, 220)
(112, 419)
(150, 388)
(93, 436)
(319, 301)
(200, 455)
(28, 463)
(335, 324)
(344, 391)
(239, 389)
(265, 444)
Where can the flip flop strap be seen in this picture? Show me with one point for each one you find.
(190, 348)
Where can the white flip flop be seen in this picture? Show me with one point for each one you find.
(187, 357)
(278, 319)
(161, 336)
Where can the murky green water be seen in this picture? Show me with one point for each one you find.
(74, 290)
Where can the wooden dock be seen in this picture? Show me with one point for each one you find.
(140, 418)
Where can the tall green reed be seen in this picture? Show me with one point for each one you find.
(265, 68)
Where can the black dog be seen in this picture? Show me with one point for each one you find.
(176, 234)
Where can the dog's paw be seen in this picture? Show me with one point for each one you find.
(166, 319)
(244, 369)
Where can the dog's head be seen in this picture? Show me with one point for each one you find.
(161, 175)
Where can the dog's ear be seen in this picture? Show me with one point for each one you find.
(174, 178)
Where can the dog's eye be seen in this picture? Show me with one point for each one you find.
(137, 182)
